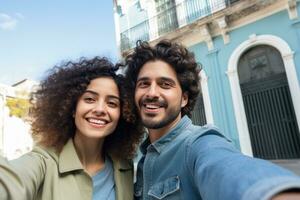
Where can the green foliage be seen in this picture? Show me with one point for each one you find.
(18, 107)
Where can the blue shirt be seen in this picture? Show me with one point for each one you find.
(193, 162)
(103, 183)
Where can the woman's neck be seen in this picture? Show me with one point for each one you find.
(90, 153)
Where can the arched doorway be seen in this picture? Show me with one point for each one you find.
(198, 114)
(269, 110)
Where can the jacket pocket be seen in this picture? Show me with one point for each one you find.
(165, 189)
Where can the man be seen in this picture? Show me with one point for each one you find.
(184, 161)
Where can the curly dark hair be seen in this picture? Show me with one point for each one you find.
(55, 102)
(176, 55)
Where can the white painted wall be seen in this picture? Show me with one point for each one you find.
(16, 138)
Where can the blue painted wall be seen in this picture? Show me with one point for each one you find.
(215, 63)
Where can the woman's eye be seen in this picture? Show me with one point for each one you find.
(89, 100)
(113, 104)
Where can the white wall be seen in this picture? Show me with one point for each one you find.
(16, 138)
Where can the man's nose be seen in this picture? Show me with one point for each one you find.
(153, 91)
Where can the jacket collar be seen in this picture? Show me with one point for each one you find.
(121, 164)
(170, 136)
(68, 159)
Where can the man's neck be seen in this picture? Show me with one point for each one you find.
(155, 134)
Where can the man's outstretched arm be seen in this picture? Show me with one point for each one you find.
(221, 172)
(292, 195)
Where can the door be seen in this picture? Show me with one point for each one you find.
(271, 119)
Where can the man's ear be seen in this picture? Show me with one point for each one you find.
(184, 99)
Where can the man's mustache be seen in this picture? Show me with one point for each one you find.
(155, 101)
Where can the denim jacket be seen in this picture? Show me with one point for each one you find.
(193, 162)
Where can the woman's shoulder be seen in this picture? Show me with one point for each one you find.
(45, 153)
(53, 153)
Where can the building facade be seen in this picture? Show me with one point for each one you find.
(249, 52)
(15, 137)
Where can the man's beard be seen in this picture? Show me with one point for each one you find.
(170, 116)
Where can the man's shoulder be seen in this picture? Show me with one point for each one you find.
(205, 137)
(195, 132)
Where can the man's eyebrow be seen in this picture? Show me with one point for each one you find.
(167, 79)
(142, 79)
(163, 78)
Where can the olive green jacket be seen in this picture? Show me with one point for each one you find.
(43, 174)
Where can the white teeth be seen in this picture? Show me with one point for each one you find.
(97, 121)
(150, 106)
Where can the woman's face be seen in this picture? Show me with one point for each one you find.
(98, 109)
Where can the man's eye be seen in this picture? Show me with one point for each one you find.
(166, 85)
(143, 84)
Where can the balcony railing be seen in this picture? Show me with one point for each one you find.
(130, 36)
(175, 17)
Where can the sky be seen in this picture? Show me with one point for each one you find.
(35, 35)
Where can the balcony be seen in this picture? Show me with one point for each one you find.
(187, 12)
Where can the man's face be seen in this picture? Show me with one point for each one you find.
(158, 95)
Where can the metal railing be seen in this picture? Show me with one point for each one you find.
(168, 20)
(130, 36)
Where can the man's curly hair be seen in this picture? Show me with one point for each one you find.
(55, 103)
(177, 56)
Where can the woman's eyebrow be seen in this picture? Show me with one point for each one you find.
(92, 92)
(96, 93)
(113, 97)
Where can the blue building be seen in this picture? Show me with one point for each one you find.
(249, 51)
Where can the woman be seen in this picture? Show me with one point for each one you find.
(86, 136)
